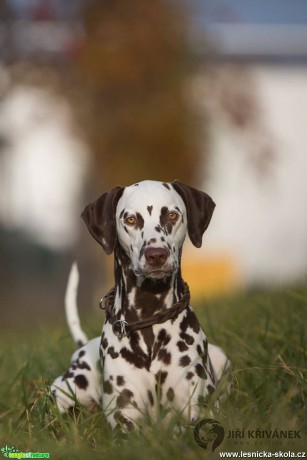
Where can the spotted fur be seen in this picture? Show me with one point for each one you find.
(169, 364)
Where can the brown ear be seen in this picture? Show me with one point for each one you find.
(99, 217)
(200, 208)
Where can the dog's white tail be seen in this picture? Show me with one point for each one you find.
(71, 308)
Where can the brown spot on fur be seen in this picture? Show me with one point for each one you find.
(149, 209)
(124, 398)
(164, 221)
(104, 343)
(184, 361)
(170, 394)
(182, 346)
(68, 375)
(83, 365)
(150, 398)
(187, 338)
(81, 381)
(189, 375)
(191, 321)
(164, 337)
(114, 354)
(139, 221)
(120, 380)
(200, 371)
(164, 356)
(161, 377)
(136, 357)
(107, 387)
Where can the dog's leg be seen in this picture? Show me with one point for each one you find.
(82, 381)
(219, 360)
(222, 370)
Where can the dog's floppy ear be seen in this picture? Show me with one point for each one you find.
(200, 207)
(99, 217)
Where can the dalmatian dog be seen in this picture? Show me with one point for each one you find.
(152, 350)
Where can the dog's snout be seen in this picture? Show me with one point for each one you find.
(156, 257)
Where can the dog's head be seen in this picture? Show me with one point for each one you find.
(150, 220)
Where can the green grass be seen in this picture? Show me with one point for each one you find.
(264, 334)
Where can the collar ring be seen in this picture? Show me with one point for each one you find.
(119, 328)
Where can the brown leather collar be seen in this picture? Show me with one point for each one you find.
(122, 328)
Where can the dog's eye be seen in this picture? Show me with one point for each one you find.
(173, 216)
(131, 220)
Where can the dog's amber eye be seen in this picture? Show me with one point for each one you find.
(173, 216)
(131, 220)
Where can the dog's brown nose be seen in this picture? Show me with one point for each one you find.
(156, 257)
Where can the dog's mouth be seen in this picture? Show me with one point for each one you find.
(156, 273)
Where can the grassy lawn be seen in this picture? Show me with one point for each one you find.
(264, 334)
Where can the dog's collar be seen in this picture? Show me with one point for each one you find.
(122, 328)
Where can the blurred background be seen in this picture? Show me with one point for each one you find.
(99, 93)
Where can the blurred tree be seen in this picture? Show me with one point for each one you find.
(134, 66)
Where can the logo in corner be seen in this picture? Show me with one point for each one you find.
(6, 451)
(11, 452)
(209, 432)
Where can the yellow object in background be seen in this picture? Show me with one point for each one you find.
(213, 275)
